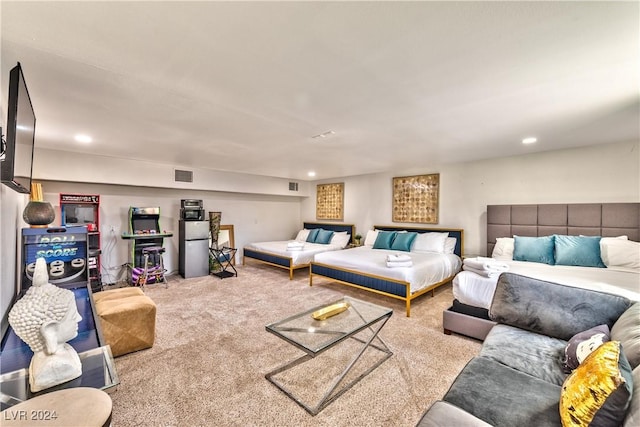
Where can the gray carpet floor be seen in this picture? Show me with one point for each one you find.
(212, 352)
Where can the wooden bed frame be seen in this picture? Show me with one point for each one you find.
(393, 288)
(589, 219)
(286, 262)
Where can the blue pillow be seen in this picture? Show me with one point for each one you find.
(403, 241)
(323, 237)
(312, 235)
(384, 239)
(583, 251)
(534, 249)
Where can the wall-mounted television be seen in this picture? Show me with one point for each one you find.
(17, 154)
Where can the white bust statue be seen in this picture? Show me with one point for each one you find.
(45, 318)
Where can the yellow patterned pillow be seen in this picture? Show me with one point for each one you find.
(598, 392)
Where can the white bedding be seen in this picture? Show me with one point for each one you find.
(299, 257)
(427, 269)
(475, 290)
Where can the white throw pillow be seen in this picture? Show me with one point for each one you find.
(302, 235)
(503, 248)
(429, 242)
(617, 252)
(341, 238)
(450, 245)
(372, 235)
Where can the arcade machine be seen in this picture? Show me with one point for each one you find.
(84, 210)
(65, 251)
(145, 241)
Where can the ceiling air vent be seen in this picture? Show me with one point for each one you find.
(183, 176)
(293, 186)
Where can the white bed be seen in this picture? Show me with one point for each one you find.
(427, 268)
(280, 254)
(434, 255)
(475, 290)
(610, 263)
(298, 257)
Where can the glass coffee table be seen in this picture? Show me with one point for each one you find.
(354, 321)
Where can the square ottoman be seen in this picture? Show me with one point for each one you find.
(128, 319)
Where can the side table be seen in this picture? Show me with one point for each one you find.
(224, 256)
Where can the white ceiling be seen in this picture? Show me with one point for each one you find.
(243, 86)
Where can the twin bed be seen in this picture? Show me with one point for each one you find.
(617, 223)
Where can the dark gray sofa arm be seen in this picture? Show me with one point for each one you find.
(443, 414)
(551, 309)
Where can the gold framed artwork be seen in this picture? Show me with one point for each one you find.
(330, 201)
(415, 198)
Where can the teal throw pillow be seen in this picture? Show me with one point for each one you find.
(312, 235)
(323, 237)
(534, 249)
(384, 240)
(583, 251)
(403, 241)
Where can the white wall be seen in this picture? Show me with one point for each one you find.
(603, 173)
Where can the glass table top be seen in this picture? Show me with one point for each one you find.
(315, 336)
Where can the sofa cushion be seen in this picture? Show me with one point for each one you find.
(527, 352)
(552, 309)
(445, 414)
(633, 414)
(627, 331)
(582, 344)
(598, 392)
(503, 396)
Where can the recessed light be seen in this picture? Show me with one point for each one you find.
(311, 173)
(85, 139)
(529, 140)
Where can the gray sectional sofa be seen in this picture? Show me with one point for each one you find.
(518, 377)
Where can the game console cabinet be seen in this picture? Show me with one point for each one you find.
(84, 210)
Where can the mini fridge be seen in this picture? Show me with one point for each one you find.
(194, 248)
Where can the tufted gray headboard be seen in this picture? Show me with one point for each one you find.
(589, 219)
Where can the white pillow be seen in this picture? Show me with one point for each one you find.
(450, 245)
(302, 235)
(617, 252)
(372, 235)
(503, 248)
(429, 242)
(341, 238)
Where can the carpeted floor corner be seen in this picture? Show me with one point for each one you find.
(212, 351)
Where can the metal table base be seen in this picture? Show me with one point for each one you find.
(333, 392)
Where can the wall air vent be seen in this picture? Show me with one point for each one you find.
(183, 176)
(293, 186)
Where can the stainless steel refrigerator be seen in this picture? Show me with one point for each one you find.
(194, 248)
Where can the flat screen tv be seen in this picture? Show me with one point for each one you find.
(17, 156)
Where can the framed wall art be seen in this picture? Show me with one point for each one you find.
(330, 201)
(415, 198)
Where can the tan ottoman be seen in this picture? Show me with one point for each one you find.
(80, 406)
(128, 319)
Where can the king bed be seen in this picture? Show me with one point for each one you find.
(592, 246)
(298, 253)
(434, 254)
